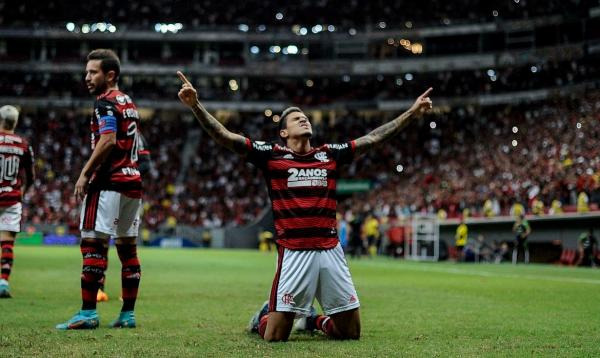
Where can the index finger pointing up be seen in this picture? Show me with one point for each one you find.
(425, 94)
(182, 78)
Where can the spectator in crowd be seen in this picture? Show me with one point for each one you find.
(522, 230)
(342, 226)
(460, 239)
(357, 239)
(583, 202)
(371, 232)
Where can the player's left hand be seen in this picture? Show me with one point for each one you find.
(423, 102)
(81, 187)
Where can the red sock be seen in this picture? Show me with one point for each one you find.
(325, 324)
(6, 261)
(131, 274)
(95, 261)
(262, 325)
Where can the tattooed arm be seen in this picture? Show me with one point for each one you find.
(234, 142)
(390, 129)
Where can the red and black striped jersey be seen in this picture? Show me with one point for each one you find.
(16, 157)
(114, 111)
(302, 188)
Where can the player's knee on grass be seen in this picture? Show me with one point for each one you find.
(350, 332)
(279, 326)
(347, 324)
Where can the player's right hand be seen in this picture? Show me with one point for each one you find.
(81, 187)
(187, 93)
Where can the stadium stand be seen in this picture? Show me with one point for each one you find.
(516, 88)
(465, 160)
(210, 13)
(322, 90)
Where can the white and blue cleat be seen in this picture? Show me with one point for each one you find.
(4, 289)
(255, 320)
(84, 319)
(126, 320)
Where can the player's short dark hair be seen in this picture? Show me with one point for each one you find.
(109, 61)
(283, 118)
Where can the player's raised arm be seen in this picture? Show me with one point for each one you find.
(188, 95)
(390, 129)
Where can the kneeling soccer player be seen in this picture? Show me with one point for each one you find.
(302, 182)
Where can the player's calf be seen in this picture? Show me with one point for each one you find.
(6, 262)
(131, 273)
(95, 262)
(7, 258)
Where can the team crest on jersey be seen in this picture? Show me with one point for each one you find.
(311, 177)
(321, 156)
(121, 99)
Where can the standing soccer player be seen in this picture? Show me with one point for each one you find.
(144, 165)
(302, 181)
(110, 187)
(16, 157)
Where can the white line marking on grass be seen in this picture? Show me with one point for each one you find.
(504, 275)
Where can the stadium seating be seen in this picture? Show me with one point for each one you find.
(568, 257)
(322, 90)
(443, 167)
(514, 126)
(337, 12)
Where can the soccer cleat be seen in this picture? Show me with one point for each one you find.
(126, 320)
(84, 319)
(307, 323)
(255, 320)
(4, 289)
(101, 296)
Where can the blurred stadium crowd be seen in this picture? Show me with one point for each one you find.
(482, 160)
(465, 159)
(321, 90)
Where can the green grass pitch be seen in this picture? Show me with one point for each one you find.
(196, 303)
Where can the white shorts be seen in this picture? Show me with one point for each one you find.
(109, 213)
(303, 275)
(10, 218)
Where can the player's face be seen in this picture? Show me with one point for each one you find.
(94, 77)
(297, 125)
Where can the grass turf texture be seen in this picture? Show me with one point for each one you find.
(198, 302)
